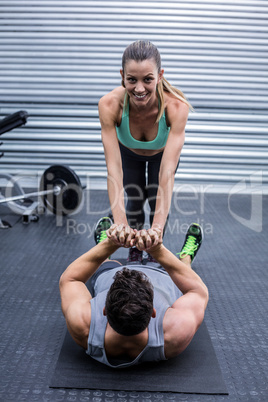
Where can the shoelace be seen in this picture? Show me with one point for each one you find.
(190, 246)
(103, 235)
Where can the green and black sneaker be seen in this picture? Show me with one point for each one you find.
(192, 241)
(100, 229)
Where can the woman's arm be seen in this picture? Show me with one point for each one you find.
(109, 107)
(177, 113)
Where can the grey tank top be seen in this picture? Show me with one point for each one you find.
(165, 294)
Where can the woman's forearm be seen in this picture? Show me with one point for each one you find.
(163, 200)
(116, 198)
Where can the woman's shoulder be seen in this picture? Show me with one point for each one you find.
(114, 99)
(111, 106)
(174, 102)
(174, 107)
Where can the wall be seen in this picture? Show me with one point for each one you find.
(57, 58)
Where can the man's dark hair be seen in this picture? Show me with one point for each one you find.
(129, 302)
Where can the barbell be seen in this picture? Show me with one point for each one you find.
(60, 190)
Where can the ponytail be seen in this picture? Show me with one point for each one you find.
(164, 85)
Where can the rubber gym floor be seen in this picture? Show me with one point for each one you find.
(232, 262)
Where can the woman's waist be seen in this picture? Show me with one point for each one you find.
(143, 153)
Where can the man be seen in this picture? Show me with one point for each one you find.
(137, 313)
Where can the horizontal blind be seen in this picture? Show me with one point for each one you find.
(58, 58)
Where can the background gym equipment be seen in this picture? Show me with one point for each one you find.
(60, 190)
(67, 192)
(10, 122)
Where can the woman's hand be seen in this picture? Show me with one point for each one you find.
(148, 239)
(122, 235)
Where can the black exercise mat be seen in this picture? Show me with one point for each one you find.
(195, 371)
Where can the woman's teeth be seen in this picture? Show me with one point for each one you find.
(140, 96)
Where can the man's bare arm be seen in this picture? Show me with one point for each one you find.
(182, 275)
(187, 312)
(87, 264)
(75, 296)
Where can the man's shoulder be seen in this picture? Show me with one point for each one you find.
(78, 320)
(179, 329)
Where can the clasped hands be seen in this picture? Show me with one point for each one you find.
(124, 236)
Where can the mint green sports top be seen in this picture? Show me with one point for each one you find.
(125, 137)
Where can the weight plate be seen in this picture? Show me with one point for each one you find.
(69, 198)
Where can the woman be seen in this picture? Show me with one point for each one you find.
(143, 129)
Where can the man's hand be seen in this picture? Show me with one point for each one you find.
(122, 235)
(148, 239)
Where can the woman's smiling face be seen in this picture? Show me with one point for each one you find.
(141, 79)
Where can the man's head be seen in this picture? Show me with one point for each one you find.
(129, 302)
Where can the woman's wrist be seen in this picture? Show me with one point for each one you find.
(120, 220)
(158, 227)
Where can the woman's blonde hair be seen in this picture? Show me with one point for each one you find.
(144, 50)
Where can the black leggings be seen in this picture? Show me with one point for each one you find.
(136, 168)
